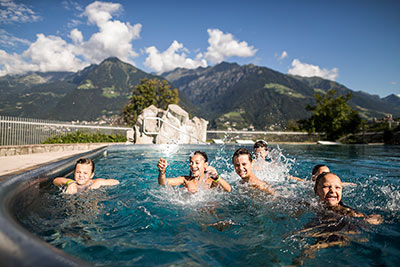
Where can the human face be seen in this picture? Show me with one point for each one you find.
(260, 152)
(197, 165)
(320, 170)
(83, 173)
(329, 190)
(243, 165)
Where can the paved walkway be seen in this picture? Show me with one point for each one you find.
(11, 164)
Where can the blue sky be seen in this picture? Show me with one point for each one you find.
(354, 42)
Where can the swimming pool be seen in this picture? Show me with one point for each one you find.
(142, 223)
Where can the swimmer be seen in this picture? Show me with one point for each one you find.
(201, 175)
(332, 229)
(83, 174)
(317, 170)
(328, 187)
(260, 149)
(243, 164)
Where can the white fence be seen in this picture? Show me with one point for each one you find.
(23, 131)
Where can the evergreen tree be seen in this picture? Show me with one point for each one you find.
(332, 115)
(149, 92)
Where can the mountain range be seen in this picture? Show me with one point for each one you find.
(227, 94)
(233, 96)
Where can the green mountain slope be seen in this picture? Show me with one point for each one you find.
(234, 96)
(86, 95)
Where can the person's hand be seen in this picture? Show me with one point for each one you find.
(212, 173)
(374, 219)
(72, 188)
(162, 165)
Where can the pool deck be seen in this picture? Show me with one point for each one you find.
(20, 163)
(24, 159)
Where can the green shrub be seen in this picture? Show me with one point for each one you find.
(83, 137)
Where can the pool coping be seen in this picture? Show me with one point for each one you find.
(19, 247)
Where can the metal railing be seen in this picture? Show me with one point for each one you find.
(159, 120)
(24, 131)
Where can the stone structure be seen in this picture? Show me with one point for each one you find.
(173, 126)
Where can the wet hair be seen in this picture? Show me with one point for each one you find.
(85, 161)
(242, 151)
(260, 143)
(198, 152)
(316, 168)
(319, 179)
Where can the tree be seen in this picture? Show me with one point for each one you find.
(149, 92)
(332, 115)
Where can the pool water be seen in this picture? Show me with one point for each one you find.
(142, 223)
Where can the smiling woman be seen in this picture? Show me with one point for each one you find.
(201, 175)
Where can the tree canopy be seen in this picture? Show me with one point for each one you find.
(332, 115)
(149, 92)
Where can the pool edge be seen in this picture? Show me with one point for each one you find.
(18, 247)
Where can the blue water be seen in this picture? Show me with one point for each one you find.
(142, 223)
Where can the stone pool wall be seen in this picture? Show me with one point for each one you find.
(45, 148)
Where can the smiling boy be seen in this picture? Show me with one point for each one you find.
(243, 165)
(83, 174)
(328, 187)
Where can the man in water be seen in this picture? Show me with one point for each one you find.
(83, 174)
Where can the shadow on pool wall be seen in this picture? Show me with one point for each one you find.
(18, 247)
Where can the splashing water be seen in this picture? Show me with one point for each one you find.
(141, 223)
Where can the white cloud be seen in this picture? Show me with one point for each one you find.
(13, 64)
(12, 12)
(308, 70)
(172, 58)
(76, 36)
(52, 53)
(6, 39)
(101, 12)
(223, 45)
(283, 55)
(71, 5)
(114, 37)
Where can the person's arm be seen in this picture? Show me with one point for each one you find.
(97, 183)
(222, 183)
(72, 188)
(371, 219)
(162, 180)
(374, 219)
(217, 180)
(60, 181)
(296, 178)
(263, 186)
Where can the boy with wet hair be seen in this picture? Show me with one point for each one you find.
(243, 165)
(83, 174)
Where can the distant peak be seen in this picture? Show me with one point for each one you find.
(112, 59)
